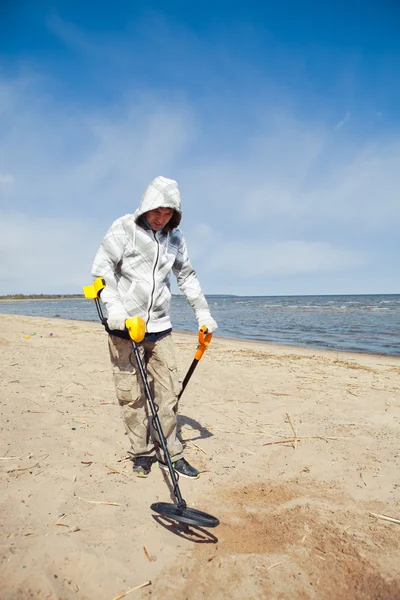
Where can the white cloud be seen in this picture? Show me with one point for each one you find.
(6, 179)
(45, 254)
(344, 121)
(254, 259)
(66, 160)
(70, 172)
(70, 34)
(304, 176)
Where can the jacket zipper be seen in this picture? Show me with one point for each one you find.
(154, 280)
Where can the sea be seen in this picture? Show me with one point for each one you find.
(366, 323)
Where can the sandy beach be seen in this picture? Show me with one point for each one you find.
(299, 451)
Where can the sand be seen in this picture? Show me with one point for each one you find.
(295, 516)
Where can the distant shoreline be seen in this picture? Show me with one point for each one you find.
(44, 298)
(39, 298)
(54, 297)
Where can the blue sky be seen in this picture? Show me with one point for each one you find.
(280, 123)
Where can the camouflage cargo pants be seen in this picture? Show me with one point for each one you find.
(159, 360)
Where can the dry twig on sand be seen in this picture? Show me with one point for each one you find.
(115, 471)
(34, 401)
(147, 554)
(98, 501)
(9, 457)
(385, 518)
(293, 429)
(24, 469)
(198, 447)
(316, 437)
(138, 587)
(289, 441)
(274, 565)
(58, 522)
(298, 438)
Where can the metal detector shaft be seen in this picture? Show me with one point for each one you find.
(188, 376)
(204, 340)
(156, 421)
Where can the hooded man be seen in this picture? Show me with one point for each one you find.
(135, 259)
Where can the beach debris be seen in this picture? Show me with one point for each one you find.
(303, 437)
(385, 518)
(248, 451)
(288, 441)
(34, 401)
(106, 502)
(198, 447)
(75, 383)
(50, 334)
(124, 459)
(352, 393)
(27, 337)
(9, 457)
(297, 438)
(275, 565)
(293, 429)
(138, 587)
(147, 554)
(24, 469)
(112, 470)
(58, 522)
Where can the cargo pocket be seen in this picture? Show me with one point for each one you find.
(126, 386)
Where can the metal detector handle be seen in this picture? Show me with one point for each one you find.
(204, 341)
(93, 292)
(135, 326)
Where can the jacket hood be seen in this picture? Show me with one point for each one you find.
(161, 193)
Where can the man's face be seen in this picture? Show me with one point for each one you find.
(159, 217)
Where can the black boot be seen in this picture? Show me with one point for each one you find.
(182, 467)
(142, 465)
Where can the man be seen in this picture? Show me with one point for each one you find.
(135, 259)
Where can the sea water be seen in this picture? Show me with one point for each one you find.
(364, 323)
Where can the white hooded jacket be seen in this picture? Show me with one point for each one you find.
(136, 263)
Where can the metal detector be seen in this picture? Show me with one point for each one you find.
(135, 332)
